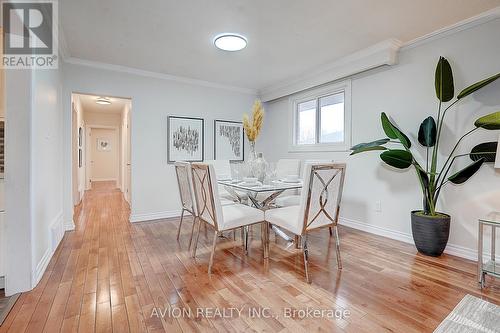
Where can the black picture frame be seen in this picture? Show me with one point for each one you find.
(80, 137)
(196, 122)
(242, 140)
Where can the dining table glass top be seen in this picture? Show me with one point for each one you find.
(273, 186)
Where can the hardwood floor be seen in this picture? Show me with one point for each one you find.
(110, 276)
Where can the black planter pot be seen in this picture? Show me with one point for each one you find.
(430, 233)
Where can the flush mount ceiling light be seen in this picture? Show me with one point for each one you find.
(103, 100)
(230, 42)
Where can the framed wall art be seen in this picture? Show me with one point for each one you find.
(185, 139)
(103, 144)
(229, 140)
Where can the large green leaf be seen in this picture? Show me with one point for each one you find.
(387, 126)
(393, 132)
(369, 146)
(378, 142)
(427, 132)
(397, 158)
(463, 175)
(444, 81)
(478, 85)
(489, 122)
(361, 150)
(486, 150)
(423, 176)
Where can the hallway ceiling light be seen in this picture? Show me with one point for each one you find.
(230, 42)
(103, 101)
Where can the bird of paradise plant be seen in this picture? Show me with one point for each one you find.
(431, 177)
(253, 126)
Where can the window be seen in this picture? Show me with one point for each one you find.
(322, 119)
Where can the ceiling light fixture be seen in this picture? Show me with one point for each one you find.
(230, 42)
(103, 100)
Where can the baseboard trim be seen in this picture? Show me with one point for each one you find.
(376, 230)
(104, 180)
(2, 282)
(155, 216)
(56, 232)
(69, 226)
(36, 276)
(452, 249)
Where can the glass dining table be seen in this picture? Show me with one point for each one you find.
(261, 196)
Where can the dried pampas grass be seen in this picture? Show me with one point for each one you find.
(254, 126)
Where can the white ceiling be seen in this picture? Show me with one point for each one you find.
(286, 38)
(89, 105)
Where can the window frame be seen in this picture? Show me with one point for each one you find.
(317, 94)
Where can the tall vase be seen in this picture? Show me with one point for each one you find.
(257, 164)
(253, 155)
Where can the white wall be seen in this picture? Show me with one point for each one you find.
(406, 92)
(17, 222)
(46, 143)
(92, 121)
(33, 183)
(102, 119)
(153, 99)
(104, 164)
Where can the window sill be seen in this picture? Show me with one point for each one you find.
(341, 147)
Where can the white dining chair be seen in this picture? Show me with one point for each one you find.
(223, 172)
(188, 202)
(319, 206)
(294, 199)
(186, 193)
(287, 166)
(222, 167)
(221, 218)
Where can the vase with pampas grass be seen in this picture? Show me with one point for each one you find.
(257, 164)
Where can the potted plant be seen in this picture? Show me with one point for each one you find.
(431, 228)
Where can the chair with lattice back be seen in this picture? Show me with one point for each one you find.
(186, 192)
(319, 206)
(213, 213)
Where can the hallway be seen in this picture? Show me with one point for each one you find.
(109, 275)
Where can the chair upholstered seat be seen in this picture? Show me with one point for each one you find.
(221, 217)
(319, 206)
(226, 202)
(285, 218)
(238, 215)
(287, 200)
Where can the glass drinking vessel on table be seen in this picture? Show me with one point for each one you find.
(236, 171)
(271, 174)
(239, 171)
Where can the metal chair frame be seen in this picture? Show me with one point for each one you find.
(208, 206)
(185, 208)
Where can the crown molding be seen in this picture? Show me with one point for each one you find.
(383, 53)
(156, 75)
(471, 22)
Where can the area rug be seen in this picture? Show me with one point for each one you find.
(472, 315)
(6, 304)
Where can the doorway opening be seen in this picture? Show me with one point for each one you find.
(101, 128)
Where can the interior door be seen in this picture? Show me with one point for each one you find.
(104, 154)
